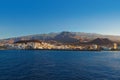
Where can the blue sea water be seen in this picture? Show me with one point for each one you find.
(59, 65)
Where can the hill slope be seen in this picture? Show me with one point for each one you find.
(63, 37)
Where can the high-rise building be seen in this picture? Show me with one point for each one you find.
(115, 46)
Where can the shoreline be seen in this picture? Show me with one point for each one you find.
(58, 50)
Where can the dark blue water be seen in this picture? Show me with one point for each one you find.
(59, 65)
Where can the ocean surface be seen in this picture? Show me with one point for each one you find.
(59, 65)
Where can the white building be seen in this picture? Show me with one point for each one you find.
(29, 44)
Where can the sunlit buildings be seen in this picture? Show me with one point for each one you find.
(115, 46)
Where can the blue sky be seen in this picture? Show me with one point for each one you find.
(26, 17)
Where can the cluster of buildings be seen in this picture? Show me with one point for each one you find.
(36, 44)
(29, 44)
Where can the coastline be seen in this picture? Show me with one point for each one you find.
(57, 50)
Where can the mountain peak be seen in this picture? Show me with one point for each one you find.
(66, 33)
(101, 41)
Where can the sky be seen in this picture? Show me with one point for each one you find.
(27, 17)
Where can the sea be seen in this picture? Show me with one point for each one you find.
(59, 65)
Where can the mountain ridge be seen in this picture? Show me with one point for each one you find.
(63, 37)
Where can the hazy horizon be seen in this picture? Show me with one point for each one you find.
(29, 17)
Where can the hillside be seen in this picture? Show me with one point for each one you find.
(63, 37)
(101, 41)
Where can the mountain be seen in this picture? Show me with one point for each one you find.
(101, 41)
(65, 37)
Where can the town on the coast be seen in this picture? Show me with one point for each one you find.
(61, 41)
(40, 45)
